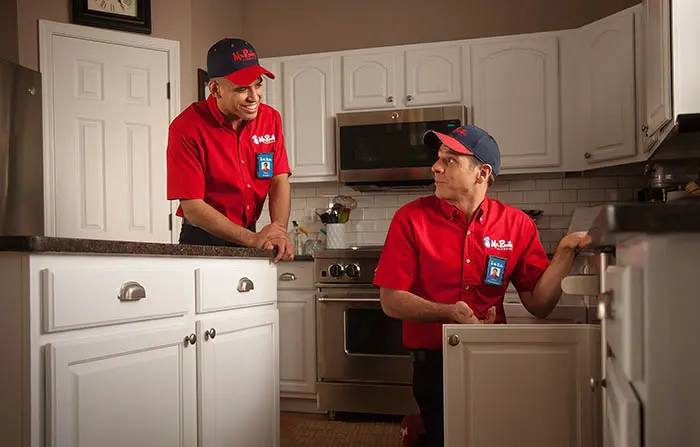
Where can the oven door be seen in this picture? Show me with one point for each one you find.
(357, 341)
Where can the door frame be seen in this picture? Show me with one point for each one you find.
(47, 31)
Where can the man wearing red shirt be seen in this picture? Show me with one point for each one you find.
(448, 258)
(226, 153)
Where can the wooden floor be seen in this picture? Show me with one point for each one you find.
(311, 430)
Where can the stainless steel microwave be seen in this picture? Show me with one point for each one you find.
(384, 149)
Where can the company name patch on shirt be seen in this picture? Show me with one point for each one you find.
(263, 139)
(498, 244)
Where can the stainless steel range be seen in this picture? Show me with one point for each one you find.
(362, 365)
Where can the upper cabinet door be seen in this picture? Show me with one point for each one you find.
(608, 89)
(309, 117)
(371, 79)
(657, 65)
(532, 379)
(515, 92)
(433, 75)
(272, 88)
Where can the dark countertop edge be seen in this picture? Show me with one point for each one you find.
(35, 244)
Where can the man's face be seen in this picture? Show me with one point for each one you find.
(457, 175)
(236, 101)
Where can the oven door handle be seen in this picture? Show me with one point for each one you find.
(327, 299)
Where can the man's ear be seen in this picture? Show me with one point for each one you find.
(214, 88)
(484, 173)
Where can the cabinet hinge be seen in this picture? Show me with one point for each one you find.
(170, 222)
(167, 90)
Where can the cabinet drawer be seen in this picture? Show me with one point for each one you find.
(295, 275)
(623, 320)
(235, 283)
(86, 292)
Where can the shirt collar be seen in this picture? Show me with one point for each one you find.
(451, 212)
(214, 110)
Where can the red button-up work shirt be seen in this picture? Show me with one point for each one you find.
(433, 252)
(208, 160)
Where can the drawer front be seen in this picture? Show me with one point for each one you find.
(622, 425)
(623, 321)
(79, 292)
(297, 275)
(236, 283)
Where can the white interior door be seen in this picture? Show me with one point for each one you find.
(111, 110)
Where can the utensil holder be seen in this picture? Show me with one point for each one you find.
(335, 235)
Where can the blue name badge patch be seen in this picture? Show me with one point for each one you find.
(495, 270)
(264, 164)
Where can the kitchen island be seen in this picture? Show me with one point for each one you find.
(116, 343)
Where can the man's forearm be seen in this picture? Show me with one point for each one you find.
(548, 289)
(280, 201)
(407, 306)
(201, 214)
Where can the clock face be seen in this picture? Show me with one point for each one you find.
(118, 7)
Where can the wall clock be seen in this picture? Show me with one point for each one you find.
(122, 15)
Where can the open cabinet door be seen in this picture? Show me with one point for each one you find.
(521, 385)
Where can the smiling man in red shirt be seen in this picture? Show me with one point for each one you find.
(226, 153)
(448, 258)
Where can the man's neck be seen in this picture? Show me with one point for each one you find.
(469, 204)
(237, 124)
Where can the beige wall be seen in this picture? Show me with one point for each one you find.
(8, 31)
(283, 27)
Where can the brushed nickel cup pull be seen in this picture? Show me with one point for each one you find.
(245, 285)
(131, 291)
(288, 277)
(453, 340)
(191, 339)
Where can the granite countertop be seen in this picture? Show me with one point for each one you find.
(35, 244)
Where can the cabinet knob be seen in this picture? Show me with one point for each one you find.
(191, 339)
(288, 277)
(605, 309)
(453, 340)
(597, 383)
(131, 291)
(587, 155)
(390, 99)
(210, 334)
(245, 285)
(409, 98)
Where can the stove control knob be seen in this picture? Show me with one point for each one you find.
(352, 270)
(335, 270)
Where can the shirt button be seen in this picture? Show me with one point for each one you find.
(468, 261)
(469, 232)
(242, 161)
(248, 185)
(247, 207)
(466, 287)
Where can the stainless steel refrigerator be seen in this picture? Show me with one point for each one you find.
(21, 152)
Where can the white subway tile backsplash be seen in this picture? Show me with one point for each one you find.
(564, 196)
(590, 195)
(511, 197)
(549, 184)
(374, 214)
(536, 196)
(385, 201)
(577, 183)
(522, 185)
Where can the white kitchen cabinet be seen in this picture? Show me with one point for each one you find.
(516, 98)
(239, 379)
(309, 113)
(607, 89)
(296, 302)
(272, 88)
(524, 385)
(419, 75)
(657, 68)
(118, 355)
(106, 389)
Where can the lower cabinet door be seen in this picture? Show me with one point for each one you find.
(130, 389)
(521, 385)
(622, 410)
(238, 371)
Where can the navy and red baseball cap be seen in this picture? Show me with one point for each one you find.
(235, 60)
(468, 140)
